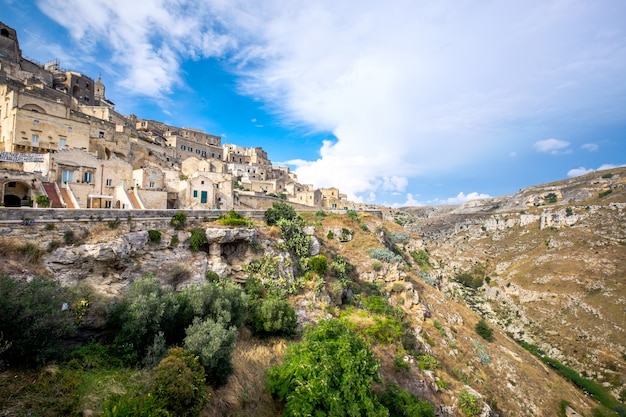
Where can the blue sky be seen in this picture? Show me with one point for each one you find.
(396, 103)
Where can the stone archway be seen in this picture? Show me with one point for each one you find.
(11, 200)
(14, 193)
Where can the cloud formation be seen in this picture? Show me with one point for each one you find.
(406, 88)
(591, 147)
(576, 172)
(552, 146)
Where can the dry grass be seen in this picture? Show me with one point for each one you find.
(245, 394)
(20, 257)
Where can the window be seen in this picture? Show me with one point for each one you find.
(69, 128)
(198, 151)
(183, 147)
(190, 149)
(88, 177)
(35, 140)
(107, 204)
(151, 185)
(195, 193)
(62, 143)
(36, 122)
(204, 153)
(109, 182)
(153, 176)
(67, 176)
(202, 182)
(12, 184)
(213, 155)
(101, 134)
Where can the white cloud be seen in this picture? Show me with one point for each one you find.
(591, 147)
(576, 172)
(410, 202)
(552, 146)
(463, 198)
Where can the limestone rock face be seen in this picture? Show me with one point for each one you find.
(222, 235)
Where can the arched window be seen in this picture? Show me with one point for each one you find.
(4, 33)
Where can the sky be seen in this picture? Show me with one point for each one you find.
(398, 103)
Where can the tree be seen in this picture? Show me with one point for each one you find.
(272, 316)
(33, 321)
(279, 211)
(329, 373)
(213, 343)
(179, 383)
(140, 316)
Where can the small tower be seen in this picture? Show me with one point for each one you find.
(99, 90)
(9, 46)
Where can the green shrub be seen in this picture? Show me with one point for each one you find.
(154, 236)
(551, 198)
(69, 237)
(272, 316)
(569, 211)
(232, 218)
(384, 255)
(34, 324)
(353, 215)
(608, 175)
(213, 343)
(402, 403)
(179, 220)
(483, 329)
(330, 235)
(604, 193)
(329, 373)
(318, 264)
(133, 404)
(320, 214)
(42, 200)
(211, 276)
(421, 258)
(179, 384)
(364, 227)
(279, 211)
(138, 317)
(197, 239)
(297, 242)
(468, 404)
(427, 362)
(399, 237)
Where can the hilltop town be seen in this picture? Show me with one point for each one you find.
(63, 145)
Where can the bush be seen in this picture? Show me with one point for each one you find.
(320, 214)
(402, 403)
(179, 220)
(232, 218)
(604, 193)
(468, 404)
(384, 255)
(272, 316)
(421, 258)
(133, 404)
(399, 237)
(483, 329)
(34, 323)
(551, 198)
(211, 276)
(179, 383)
(213, 343)
(297, 242)
(42, 200)
(139, 317)
(197, 239)
(353, 215)
(608, 175)
(154, 236)
(318, 264)
(113, 224)
(329, 373)
(69, 237)
(279, 211)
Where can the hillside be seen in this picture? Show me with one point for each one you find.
(423, 336)
(553, 261)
